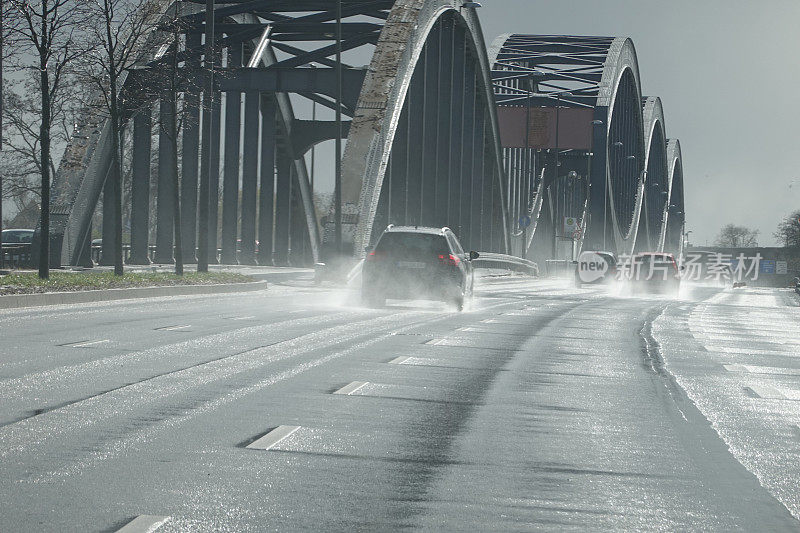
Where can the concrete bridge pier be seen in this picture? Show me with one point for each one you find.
(140, 187)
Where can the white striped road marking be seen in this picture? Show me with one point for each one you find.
(399, 360)
(85, 344)
(173, 328)
(755, 369)
(349, 389)
(436, 342)
(251, 317)
(766, 392)
(144, 524)
(736, 368)
(271, 439)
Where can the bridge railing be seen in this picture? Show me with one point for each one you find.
(506, 262)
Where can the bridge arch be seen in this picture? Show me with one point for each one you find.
(592, 169)
(675, 214)
(656, 183)
(427, 83)
(406, 35)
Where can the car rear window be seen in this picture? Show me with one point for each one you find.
(416, 246)
(16, 237)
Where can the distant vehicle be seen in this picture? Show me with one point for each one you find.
(595, 267)
(17, 236)
(654, 272)
(797, 285)
(726, 276)
(410, 262)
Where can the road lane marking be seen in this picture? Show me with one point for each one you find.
(399, 360)
(84, 344)
(173, 328)
(144, 524)
(736, 368)
(766, 392)
(271, 439)
(350, 388)
(251, 317)
(766, 370)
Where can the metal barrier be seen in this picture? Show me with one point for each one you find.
(17, 255)
(506, 262)
(97, 252)
(559, 268)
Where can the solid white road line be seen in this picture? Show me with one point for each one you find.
(144, 524)
(272, 438)
(349, 389)
(766, 392)
(399, 360)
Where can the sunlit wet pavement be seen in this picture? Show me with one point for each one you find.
(542, 406)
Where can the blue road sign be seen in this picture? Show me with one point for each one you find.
(524, 221)
(767, 267)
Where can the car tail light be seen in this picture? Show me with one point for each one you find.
(449, 260)
(374, 256)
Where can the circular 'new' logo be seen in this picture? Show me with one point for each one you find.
(591, 267)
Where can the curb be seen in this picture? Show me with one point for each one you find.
(14, 301)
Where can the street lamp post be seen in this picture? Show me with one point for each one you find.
(2, 254)
(338, 185)
(205, 175)
(527, 170)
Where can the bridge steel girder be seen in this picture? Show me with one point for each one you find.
(402, 40)
(675, 210)
(81, 175)
(387, 89)
(598, 73)
(656, 184)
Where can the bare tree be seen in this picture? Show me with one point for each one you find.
(789, 230)
(733, 236)
(21, 164)
(49, 30)
(117, 39)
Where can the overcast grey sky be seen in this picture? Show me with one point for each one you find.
(728, 72)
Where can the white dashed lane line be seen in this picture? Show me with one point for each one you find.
(173, 328)
(769, 370)
(399, 360)
(272, 438)
(765, 391)
(350, 388)
(144, 524)
(84, 344)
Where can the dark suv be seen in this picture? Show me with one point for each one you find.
(411, 262)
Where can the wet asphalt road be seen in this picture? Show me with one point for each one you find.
(540, 407)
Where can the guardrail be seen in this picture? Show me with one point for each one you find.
(506, 262)
(16, 255)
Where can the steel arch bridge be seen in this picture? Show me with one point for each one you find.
(422, 135)
(502, 145)
(580, 142)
